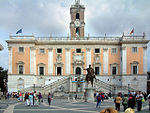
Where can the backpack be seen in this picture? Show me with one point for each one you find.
(99, 98)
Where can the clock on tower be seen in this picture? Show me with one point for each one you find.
(77, 23)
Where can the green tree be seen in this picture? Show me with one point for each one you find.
(3, 80)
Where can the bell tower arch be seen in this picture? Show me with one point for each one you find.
(77, 23)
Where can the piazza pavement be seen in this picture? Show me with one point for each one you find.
(60, 106)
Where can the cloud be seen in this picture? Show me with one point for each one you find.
(45, 17)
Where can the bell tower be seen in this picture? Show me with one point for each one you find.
(77, 23)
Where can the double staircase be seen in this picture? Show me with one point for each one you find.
(63, 84)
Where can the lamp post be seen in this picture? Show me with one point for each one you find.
(33, 92)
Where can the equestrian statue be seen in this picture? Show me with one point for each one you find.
(90, 75)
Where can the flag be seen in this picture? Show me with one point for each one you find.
(19, 31)
(132, 31)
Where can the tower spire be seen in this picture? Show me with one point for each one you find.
(77, 1)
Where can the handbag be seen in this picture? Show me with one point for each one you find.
(143, 100)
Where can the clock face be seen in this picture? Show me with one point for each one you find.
(77, 23)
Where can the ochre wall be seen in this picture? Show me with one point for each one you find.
(23, 57)
(138, 57)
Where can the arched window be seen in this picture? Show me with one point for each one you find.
(77, 31)
(77, 16)
(78, 70)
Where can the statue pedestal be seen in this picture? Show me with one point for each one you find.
(90, 94)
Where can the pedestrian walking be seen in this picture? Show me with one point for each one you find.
(39, 97)
(117, 101)
(31, 99)
(125, 101)
(131, 101)
(99, 99)
(27, 99)
(139, 97)
(49, 98)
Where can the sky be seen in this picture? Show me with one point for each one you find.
(52, 17)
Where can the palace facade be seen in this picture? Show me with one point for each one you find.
(41, 61)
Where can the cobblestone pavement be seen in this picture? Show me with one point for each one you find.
(63, 106)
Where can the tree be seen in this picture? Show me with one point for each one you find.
(3, 80)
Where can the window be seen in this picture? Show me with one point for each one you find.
(58, 70)
(134, 49)
(77, 31)
(41, 69)
(114, 70)
(77, 16)
(21, 49)
(96, 70)
(134, 69)
(114, 50)
(20, 69)
(59, 50)
(78, 50)
(78, 70)
(20, 83)
(97, 50)
(42, 51)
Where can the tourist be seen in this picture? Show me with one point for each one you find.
(39, 97)
(117, 101)
(131, 101)
(125, 101)
(109, 110)
(139, 97)
(49, 98)
(99, 99)
(31, 99)
(27, 99)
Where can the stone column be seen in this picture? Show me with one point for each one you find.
(88, 57)
(145, 60)
(105, 61)
(124, 60)
(10, 60)
(50, 61)
(68, 61)
(32, 60)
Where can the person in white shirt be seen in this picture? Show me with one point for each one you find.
(139, 97)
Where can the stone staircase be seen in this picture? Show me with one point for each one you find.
(114, 89)
(59, 85)
(62, 86)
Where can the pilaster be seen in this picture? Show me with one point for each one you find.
(105, 61)
(145, 60)
(68, 61)
(10, 60)
(88, 57)
(124, 60)
(50, 61)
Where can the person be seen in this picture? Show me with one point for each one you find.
(85, 96)
(31, 99)
(129, 110)
(117, 101)
(99, 98)
(49, 98)
(131, 101)
(149, 101)
(139, 97)
(39, 97)
(27, 99)
(109, 110)
(125, 101)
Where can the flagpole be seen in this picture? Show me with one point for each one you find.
(133, 33)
